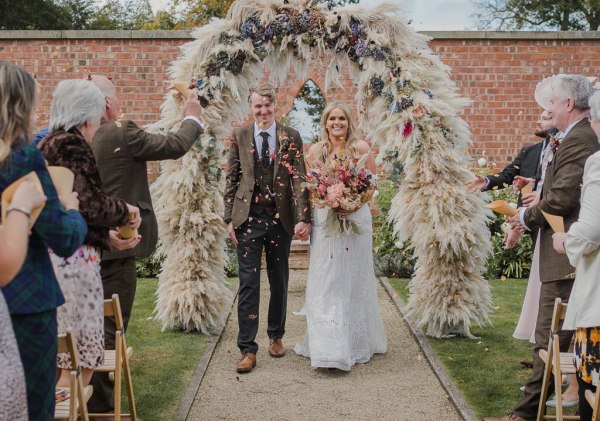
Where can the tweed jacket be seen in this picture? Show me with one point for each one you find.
(35, 289)
(291, 199)
(100, 211)
(560, 196)
(526, 164)
(583, 249)
(122, 149)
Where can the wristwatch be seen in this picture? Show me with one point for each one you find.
(227, 221)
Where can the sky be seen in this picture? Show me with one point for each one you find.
(427, 15)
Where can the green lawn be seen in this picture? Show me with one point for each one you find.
(163, 362)
(487, 370)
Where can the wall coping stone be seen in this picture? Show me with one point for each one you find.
(438, 35)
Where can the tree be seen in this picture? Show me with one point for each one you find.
(32, 14)
(561, 15)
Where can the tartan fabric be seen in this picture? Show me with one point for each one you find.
(35, 289)
(37, 340)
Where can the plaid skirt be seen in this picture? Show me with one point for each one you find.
(36, 336)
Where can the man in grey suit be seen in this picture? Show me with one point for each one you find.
(560, 196)
(265, 206)
(122, 150)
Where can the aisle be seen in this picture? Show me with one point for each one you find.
(398, 385)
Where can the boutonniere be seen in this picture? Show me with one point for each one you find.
(284, 140)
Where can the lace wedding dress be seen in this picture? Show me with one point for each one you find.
(344, 324)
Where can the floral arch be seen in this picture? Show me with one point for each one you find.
(407, 104)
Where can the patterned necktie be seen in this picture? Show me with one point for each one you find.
(264, 153)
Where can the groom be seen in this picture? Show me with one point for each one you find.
(265, 205)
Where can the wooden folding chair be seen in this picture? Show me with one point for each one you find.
(76, 404)
(558, 364)
(594, 401)
(116, 362)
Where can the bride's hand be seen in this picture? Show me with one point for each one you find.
(343, 213)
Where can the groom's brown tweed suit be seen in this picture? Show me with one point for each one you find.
(560, 196)
(264, 203)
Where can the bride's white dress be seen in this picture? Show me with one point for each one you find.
(344, 324)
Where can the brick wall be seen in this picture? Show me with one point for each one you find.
(498, 71)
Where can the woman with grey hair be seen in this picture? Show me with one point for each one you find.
(582, 246)
(75, 113)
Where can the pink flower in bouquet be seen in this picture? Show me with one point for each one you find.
(334, 194)
(322, 190)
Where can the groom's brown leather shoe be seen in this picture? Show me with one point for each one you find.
(247, 363)
(276, 349)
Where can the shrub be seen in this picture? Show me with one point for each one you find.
(149, 267)
(396, 260)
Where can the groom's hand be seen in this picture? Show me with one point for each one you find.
(192, 106)
(302, 230)
(231, 233)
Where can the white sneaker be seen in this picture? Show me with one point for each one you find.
(566, 404)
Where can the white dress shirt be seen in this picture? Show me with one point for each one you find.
(258, 140)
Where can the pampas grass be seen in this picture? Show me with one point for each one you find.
(413, 119)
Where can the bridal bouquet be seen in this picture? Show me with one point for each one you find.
(344, 186)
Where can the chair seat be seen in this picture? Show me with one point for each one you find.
(566, 361)
(62, 408)
(109, 360)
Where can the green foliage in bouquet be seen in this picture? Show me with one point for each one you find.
(390, 260)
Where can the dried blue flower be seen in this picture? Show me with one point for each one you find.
(429, 94)
(362, 49)
(355, 26)
(249, 28)
(377, 85)
(379, 55)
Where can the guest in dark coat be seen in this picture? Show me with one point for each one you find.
(33, 296)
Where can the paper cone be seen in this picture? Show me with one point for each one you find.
(180, 90)
(502, 207)
(527, 189)
(127, 232)
(556, 222)
(8, 193)
(63, 179)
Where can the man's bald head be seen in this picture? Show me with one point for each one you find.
(110, 95)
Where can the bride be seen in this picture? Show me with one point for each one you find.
(344, 324)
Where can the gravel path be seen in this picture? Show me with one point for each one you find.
(398, 385)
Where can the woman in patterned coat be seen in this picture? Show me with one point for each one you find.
(75, 112)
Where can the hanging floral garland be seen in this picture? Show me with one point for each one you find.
(408, 106)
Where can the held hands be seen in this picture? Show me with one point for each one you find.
(134, 222)
(558, 242)
(121, 244)
(27, 196)
(476, 185)
(302, 230)
(70, 201)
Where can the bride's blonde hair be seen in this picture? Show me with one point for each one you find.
(323, 148)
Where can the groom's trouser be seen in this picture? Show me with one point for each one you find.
(528, 406)
(257, 232)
